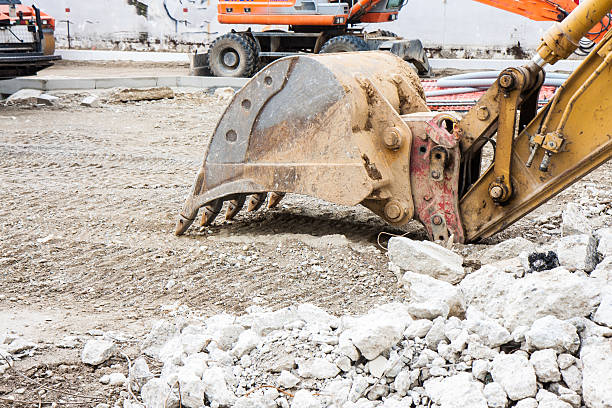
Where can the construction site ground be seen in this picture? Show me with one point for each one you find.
(90, 197)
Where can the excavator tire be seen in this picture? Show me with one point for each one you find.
(233, 55)
(344, 43)
(382, 33)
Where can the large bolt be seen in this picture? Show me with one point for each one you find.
(394, 210)
(437, 220)
(506, 81)
(496, 192)
(392, 139)
(482, 113)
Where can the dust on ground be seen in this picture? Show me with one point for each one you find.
(90, 199)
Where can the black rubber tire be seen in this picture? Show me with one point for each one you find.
(382, 33)
(233, 55)
(344, 43)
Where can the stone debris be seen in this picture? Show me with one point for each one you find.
(49, 100)
(426, 258)
(24, 97)
(224, 94)
(146, 94)
(494, 340)
(97, 352)
(91, 101)
(574, 220)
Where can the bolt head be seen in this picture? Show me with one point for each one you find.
(482, 113)
(506, 81)
(496, 192)
(435, 174)
(392, 139)
(437, 220)
(394, 211)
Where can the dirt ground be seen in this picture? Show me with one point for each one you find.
(90, 197)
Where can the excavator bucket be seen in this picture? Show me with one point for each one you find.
(327, 126)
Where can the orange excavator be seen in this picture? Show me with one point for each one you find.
(325, 26)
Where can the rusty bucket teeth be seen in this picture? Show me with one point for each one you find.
(275, 199)
(210, 212)
(256, 201)
(234, 207)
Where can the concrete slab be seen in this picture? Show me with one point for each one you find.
(101, 55)
(142, 82)
(55, 84)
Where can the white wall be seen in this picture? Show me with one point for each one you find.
(438, 23)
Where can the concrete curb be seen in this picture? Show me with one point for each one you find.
(436, 63)
(137, 56)
(54, 84)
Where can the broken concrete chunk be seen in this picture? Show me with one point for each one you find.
(24, 97)
(429, 297)
(515, 374)
(603, 314)
(148, 94)
(578, 252)
(574, 220)
(596, 356)
(91, 101)
(426, 258)
(545, 364)
(96, 352)
(551, 333)
(457, 391)
(46, 99)
(509, 248)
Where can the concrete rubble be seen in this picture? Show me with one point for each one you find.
(553, 352)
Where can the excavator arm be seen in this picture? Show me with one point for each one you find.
(353, 128)
(549, 10)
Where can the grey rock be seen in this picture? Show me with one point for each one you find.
(426, 258)
(216, 388)
(418, 328)
(555, 292)
(527, 403)
(157, 394)
(495, 395)
(457, 391)
(91, 101)
(46, 99)
(377, 366)
(430, 297)
(96, 352)
(572, 378)
(515, 374)
(491, 333)
(116, 379)
(550, 332)
(304, 399)
(318, 368)
(604, 246)
(596, 357)
(247, 341)
(574, 220)
(509, 248)
(565, 360)
(287, 380)
(435, 334)
(603, 314)
(578, 251)
(139, 373)
(24, 97)
(480, 369)
(545, 365)
(379, 330)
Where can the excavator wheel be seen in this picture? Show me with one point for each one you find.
(382, 33)
(233, 55)
(344, 43)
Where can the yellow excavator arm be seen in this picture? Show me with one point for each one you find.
(353, 128)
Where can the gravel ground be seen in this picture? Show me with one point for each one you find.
(90, 198)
